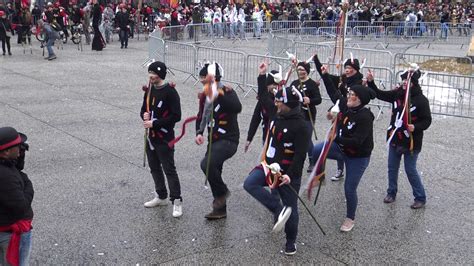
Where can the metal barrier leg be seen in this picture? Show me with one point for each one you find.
(248, 91)
(191, 76)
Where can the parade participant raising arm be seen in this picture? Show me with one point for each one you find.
(353, 141)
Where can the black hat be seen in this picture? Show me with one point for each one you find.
(305, 65)
(414, 77)
(270, 80)
(354, 63)
(158, 68)
(209, 68)
(9, 137)
(293, 97)
(364, 93)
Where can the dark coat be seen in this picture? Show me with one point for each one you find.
(165, 111)
(420, 114)
(355, 127)
(16, 194)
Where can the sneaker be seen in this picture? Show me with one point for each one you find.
(282, 219)
(339, 174)
(217, 214)
(177, 208)
(290, 249)
(389, 199)
(418, 204)
(156, 202)
(51, 57)
(347, 225)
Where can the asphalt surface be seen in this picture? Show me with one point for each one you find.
(81, 115)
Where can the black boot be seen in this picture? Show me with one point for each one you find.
(217, 213)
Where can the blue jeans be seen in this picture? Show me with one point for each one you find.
(334, 153)
(409, 159)
(49, 46)
(123, 36)
(355, 169)
(25, 247)
(255, 185)
(444, 30)
(257, 28)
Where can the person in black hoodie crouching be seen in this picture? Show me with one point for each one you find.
(160, 111)
(398, 134)
(223, 141)
(354, 139)
(283, 158)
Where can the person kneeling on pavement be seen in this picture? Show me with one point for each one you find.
(282, 165)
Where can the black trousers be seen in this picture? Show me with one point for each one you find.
(7, 41)
(162, 159)
(220, 151)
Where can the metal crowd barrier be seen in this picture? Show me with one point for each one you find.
(402, 60)
(182, 57)
(449, 94)
(156, 48)
(228, 60)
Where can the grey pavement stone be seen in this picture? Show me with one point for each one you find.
(80, 113)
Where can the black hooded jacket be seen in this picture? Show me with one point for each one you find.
(264, 111)
(420, 114)
(355, 126)
(16, 194)
(288, 143)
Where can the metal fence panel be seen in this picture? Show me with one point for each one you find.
(156, 47)
(181, 57)
(228, 60)
(402, 60)
(449, 94)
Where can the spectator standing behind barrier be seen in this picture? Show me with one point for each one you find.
(122, 23)
(160, 111)
(5, 32)
(197, 20)
(224, 139)
(16, 196)
(399, 145)
(241, 23)
(86, 23)
(51, 36)
(107, 18)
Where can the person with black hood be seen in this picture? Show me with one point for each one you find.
(16, 196)
(282, 164)
(349, 78)
(5, 32)
(405, 137)
(160, 111)
(354, 138)
(98, 42)
(311, 97)
(265, 108)
(122, 22)
(223, 108)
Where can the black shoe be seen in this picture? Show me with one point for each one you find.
(9, 53)
(217, 214)
(418, 204)
(389, 199)
(121, 47)
(290, 249)
(3, 53)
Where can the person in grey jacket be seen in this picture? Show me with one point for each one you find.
(50, 37)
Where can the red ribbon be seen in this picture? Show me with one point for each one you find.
(183, 131)
(18, 228)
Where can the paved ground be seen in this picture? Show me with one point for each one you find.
(80, 113)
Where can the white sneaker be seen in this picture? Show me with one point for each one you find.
(347, 225)
(177, 208)
(282, 218)
(156, 202)
(339, 174)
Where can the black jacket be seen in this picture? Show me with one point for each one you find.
(420, 114)
(264, 111)
(341, 82)
(122, 20)
(16, 194)
(5, 27)
(288, 143)
(165, 110)
(226, 108)
(309, 89)
(355, 127)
